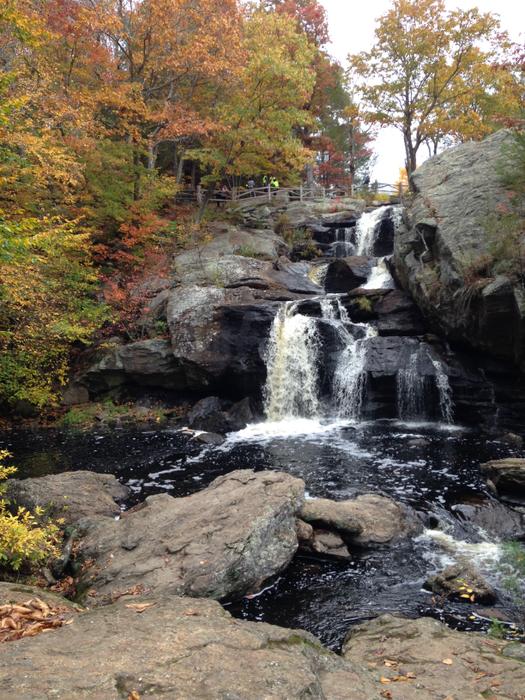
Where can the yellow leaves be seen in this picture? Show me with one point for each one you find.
(447, 662)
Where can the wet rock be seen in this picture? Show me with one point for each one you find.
(463, 583)
(210, 414)
(366, 520)
(513, 440)
(240, 414)
(176, 648)
(71, 495)
(345, 274)
(209, 438)
(425, 659)
(398, 315)
(329, 544)
(498, 520)
(507, 476)
(223, 541)
(305, 533)
(457, 192)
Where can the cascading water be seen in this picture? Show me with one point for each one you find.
(366, 230)
(291, 389)
(343, 245)
(380, 277)
(413, 391)
(446, 404)
(349, 376)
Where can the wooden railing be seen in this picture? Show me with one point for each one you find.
(300, 193)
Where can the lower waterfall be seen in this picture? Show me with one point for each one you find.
(413, 389)
(291, 389)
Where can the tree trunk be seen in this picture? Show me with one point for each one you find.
(310, 174)
(410, 156)
(152, 155)
(180, 169)
(136, 174)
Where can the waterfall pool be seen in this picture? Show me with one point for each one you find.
(430, 467)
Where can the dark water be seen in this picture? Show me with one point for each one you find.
(434, 470)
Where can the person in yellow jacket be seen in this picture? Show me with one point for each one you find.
(274, 183)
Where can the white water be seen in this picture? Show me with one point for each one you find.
(366, 229)
(343, 246)
(380, 277)
(411, 390)
(484, 554)
(292, 382)
(350, 376)
(446, 404)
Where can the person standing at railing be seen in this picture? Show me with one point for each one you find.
(274, 183)
(251, 186)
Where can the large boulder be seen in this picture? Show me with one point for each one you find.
(71, 495)
(416, 659)
(369, 519)
(175, 648)
(211, 414)
(450, 232)
(345, 274)
(507, 476)
(223, 541)
(398, 315)
(219, 337)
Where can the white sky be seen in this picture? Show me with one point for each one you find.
(352, 30)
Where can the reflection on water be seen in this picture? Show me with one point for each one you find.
(430, 468)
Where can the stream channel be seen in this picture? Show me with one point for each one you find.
(422, 459)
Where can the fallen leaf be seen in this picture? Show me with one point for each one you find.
(448, 662)
(386, 694)
(140, 607)
(390, 663)
(384, 680)
(133, 695)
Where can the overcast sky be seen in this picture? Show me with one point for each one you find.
(352, 30)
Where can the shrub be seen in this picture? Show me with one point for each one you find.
(26, 539)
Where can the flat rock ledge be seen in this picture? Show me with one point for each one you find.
(366, 520)
(425, 660)
(178, 648)
(223, 541)
(71, 495)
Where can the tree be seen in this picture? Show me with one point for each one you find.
(263, 106)
(426, 70)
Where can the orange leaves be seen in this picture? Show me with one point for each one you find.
(29, 619)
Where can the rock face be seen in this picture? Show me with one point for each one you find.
(507, 476)
(346, 274)
(367, 520)
(71, 495)
(425, 659)
(177, 648)
(223, 541)
(448, 233)
(462, 582)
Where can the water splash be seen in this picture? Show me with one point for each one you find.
(291, 389)
(380, 277)
(317, 274)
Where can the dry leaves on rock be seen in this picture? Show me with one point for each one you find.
(29, 619)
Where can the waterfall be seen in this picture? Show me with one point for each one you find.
(366, 230)
(380, 277)
(446, 405)
(292, 372)
(343, 246)
(411, 390)
(317, 274)
(349, 376)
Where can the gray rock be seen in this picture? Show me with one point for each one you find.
(176, 648)
(507, 475)
(209, 438)
(75, 394)
(146, 363)
(330, 544)
(464, 583)
(71, 495)
(305, 533)
(366, 520)
(225, 540)
(449, 231)
(442, 663)
(345, 274)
